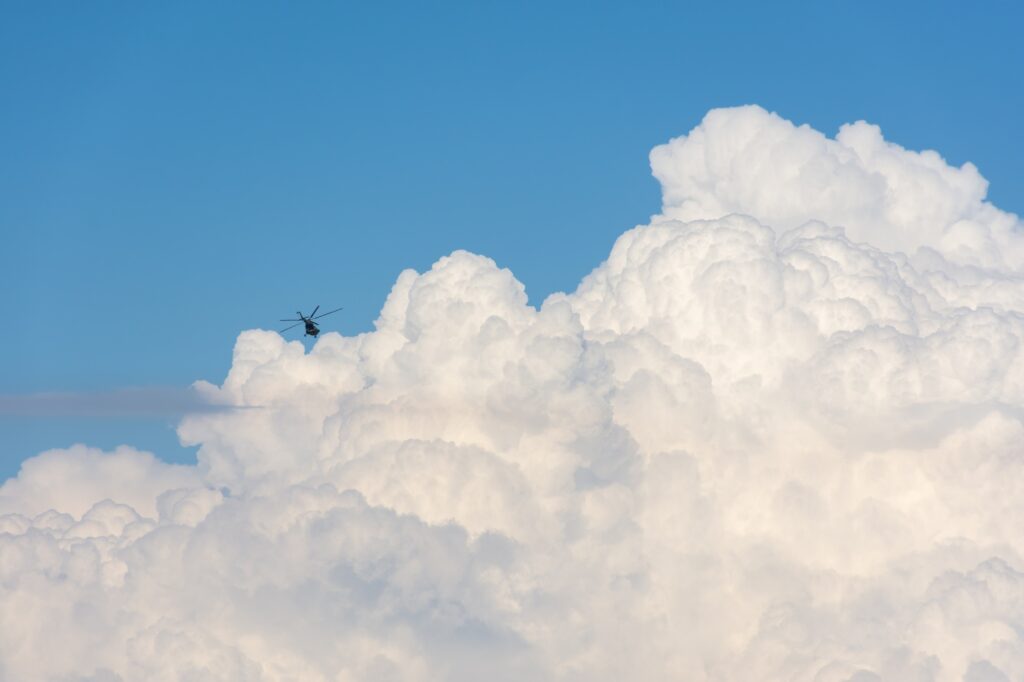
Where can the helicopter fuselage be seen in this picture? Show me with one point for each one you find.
(311, 328)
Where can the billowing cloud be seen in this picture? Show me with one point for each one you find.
(71, 481)
(776, 435)
(745, 160)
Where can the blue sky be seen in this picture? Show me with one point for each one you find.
(176, 173)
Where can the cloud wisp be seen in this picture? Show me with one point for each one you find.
(775, 435)
(149, 401)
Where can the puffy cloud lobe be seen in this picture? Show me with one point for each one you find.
(746, 160)
(776, 435)
(71, 481)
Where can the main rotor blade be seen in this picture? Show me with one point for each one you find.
(328, 312)
(294, 319)
(313, 314)
(287, 328)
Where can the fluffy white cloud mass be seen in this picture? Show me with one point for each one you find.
(777, 435)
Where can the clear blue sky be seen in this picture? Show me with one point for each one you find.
(173, 173)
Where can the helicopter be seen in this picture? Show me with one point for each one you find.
(311, 327)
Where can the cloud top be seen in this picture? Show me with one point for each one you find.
(776, 435)
(747, 160)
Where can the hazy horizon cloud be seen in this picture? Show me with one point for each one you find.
(136, 401)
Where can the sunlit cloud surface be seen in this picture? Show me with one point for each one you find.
(776, 435)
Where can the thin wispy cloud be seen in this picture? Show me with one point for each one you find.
(158, 401)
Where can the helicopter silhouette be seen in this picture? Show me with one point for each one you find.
(311, 327)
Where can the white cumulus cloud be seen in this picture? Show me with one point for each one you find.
(776, 435)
